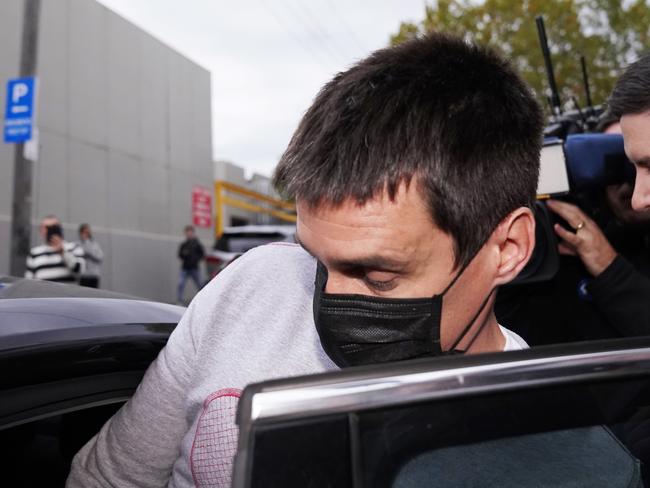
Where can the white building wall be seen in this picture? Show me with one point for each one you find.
(125, 132)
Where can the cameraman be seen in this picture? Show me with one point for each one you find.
(617, 283)
(602, 288)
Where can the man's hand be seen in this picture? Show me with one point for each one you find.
(56, 242)
(587, 242)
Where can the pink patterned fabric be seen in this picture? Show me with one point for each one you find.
(215, 441)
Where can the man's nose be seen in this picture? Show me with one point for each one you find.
(641, 195)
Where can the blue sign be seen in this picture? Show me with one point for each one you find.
(19, 110)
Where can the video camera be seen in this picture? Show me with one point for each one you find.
(582, 164)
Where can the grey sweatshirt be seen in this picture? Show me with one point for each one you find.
(254, 322)
(94, 256)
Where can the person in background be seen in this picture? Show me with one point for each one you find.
(55, 259)
(190, 253)
(602, 289)
(94, 256)
(630, 101)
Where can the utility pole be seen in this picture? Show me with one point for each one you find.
(21, 214)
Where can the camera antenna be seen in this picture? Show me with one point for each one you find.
(585, 81)
(555, 96)
(580, 112)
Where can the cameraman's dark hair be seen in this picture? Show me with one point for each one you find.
(605, 121)
(631, 95)
(453, 116)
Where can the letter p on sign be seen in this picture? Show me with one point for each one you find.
(19, 91)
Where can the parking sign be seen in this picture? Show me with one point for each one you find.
(19, 110)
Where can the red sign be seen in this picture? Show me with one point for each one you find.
(201, 206)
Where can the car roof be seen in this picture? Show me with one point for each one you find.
(12, 287)
(38, 321)
(36, 313)
(287, 230)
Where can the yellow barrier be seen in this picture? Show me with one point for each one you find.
(265, 204)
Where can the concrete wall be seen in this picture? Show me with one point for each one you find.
(125, 132)
(232, 173)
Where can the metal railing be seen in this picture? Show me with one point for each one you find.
(244, 199)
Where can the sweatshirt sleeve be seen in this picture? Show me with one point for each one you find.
(73, 257)
(138, 446)
(93, 252)
(622, 295)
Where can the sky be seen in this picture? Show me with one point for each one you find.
(267, 58)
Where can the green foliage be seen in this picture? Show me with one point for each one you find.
(609, 33)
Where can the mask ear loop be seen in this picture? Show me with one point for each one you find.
(460, 272)
(469, 326)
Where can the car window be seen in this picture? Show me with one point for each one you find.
(39, 453)
(553, 437)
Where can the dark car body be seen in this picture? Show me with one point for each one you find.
(561, 416)
(70, 357)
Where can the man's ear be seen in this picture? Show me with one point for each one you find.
(514, 242)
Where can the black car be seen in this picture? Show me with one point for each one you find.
(70, 357)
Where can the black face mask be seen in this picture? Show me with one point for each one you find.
(356, 330)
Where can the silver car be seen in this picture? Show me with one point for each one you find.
(235, 241)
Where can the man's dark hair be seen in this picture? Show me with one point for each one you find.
(189, 228)
(631, 95)
(453, 116)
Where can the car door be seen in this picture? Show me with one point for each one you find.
(57, 392)
(576, 415)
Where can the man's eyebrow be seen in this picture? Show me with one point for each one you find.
(381, 263)
(371, 262)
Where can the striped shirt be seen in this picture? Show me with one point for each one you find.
(44, 263)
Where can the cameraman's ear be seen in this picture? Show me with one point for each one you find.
(514, 241)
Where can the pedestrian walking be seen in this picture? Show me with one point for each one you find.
(190, 253)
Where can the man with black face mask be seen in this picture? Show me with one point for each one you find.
(414, 173)
(359, 312)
